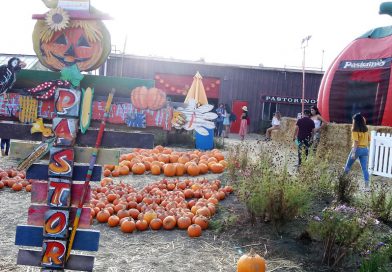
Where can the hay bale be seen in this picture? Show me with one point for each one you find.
(335, 142)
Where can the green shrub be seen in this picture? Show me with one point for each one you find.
(380, 260)
(341, 229)
(345, 188)
(316, 173)
(273, 194)
(381, 203)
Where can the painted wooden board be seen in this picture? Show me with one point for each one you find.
(40, 171)
(118, 112)
(33, 236)
(111, 139)
(20, 150)
(102, 84)
(36, 216)
(75, 262)
(39, 193)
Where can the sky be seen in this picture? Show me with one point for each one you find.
(242, 32)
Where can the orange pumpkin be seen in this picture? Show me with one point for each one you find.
(17, 186)
(141, 225)
(124, 170)
(156, 99)
(180, 170)
(217, 168)
(251, 262)
(155, 169)
(170, 170)
(139, 97)
(128, 226)
(193, 169)
(194, 230)
(113, 221)
(169, 222)
(184, 222)
(103, 216)
(156, 224)
(138, 168)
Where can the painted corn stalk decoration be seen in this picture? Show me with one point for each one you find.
(86, 109)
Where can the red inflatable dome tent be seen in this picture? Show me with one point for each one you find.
(359, 80)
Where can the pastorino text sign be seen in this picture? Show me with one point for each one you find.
(365, 64)
(287, 100)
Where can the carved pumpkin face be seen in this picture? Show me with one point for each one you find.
(72, 46)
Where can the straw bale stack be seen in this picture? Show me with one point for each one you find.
(335, 140)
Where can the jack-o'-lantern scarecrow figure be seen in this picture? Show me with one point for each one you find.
(62, 38)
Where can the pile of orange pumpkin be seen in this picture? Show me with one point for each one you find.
(14, 179)
(162, 160)
(185, 204)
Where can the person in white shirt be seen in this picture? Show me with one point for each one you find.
(275, 125)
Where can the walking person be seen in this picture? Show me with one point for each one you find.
(5, 147)
(275, 125)
(244, 123)
(360, 141)
(226, 121)
(303, 134)
(219, 121)
(319, 123)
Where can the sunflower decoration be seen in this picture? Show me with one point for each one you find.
(57, 19)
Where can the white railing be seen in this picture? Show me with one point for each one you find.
(380, 154)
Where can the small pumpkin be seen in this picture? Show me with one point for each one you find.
(170, 170)
(141, 225)
(194, 230)
(138, 168)
(128, 226)
(113, 220)
(155, 169)
(251, 262)
(156, 224)
(193, 169)
(169, 222)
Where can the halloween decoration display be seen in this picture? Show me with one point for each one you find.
(38, 126)
(199, 119)
(61, 40)
(143, 98)
(86, 111)
(359, 79)
(45, 91)
(28, 109)
(8, 74)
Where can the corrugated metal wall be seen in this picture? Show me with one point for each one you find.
(237, 82)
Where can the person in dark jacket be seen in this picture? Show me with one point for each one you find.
(303, 134)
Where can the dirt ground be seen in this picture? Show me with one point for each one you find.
(169, 251)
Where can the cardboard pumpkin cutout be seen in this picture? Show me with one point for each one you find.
(84, 43)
